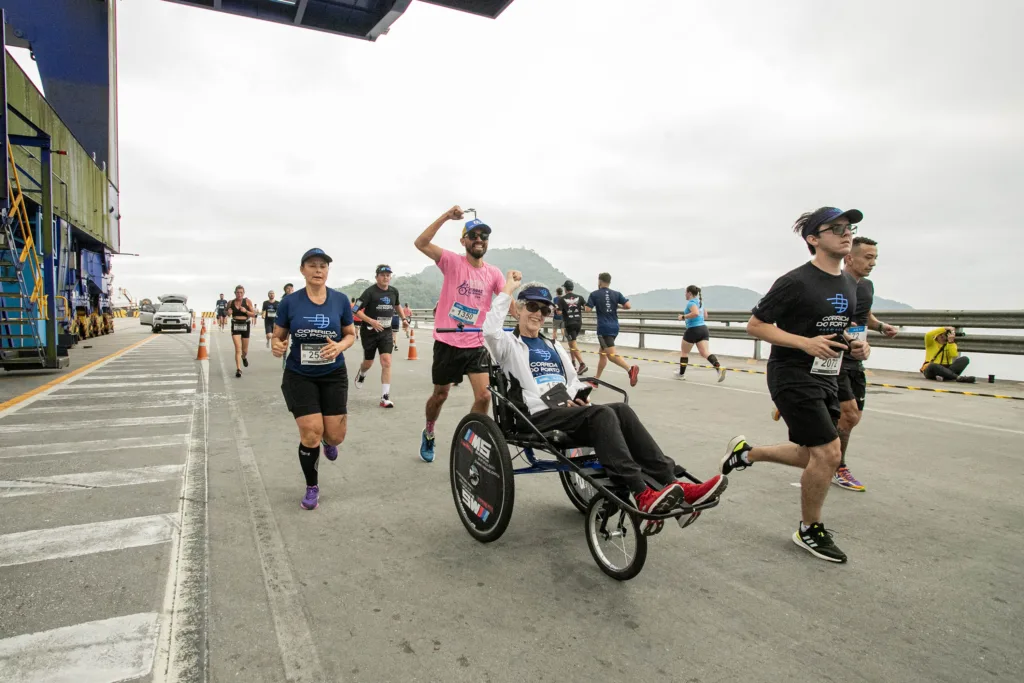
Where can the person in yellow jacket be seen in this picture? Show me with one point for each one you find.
(942, 357)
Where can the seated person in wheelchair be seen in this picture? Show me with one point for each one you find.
(544, 385)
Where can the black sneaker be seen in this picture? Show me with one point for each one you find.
(966, 379)
(817, 540)
(733, 459)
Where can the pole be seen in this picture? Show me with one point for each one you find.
(49, 271)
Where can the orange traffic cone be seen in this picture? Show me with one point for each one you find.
(412, 346)
(203, 354)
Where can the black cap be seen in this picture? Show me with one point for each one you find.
(568, 285)
(315, 251)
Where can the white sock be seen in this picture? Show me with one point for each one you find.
(803, 527)
(385, 389)
(744, 458)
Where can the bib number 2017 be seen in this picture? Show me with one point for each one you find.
(827, 366)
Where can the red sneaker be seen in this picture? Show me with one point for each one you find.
(634, 371)
(695, 494)
(657, 502)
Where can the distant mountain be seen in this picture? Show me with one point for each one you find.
(422, 289)
(725, 298)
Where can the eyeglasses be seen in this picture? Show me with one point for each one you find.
(533, 307)
(839, 229)
(482, 236)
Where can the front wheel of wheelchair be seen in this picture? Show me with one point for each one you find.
(614, 539)
(481, 477)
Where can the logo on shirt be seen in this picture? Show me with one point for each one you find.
(542, 354)
(319, 321)
(839, 302)
(385, 299)
(471, 288)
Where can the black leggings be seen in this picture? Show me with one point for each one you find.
(622, 443)
(947, 372)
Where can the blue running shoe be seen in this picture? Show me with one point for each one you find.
(330, 452)
(312, 498)
(427, 447)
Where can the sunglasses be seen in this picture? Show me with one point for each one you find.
(839, 229)
(482, 236)
(533, 307)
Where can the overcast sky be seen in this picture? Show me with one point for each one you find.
(669, 142)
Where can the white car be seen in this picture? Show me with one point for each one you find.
(171, 314)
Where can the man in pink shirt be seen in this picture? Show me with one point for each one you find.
(469, 285)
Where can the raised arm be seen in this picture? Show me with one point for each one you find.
(425, 241)
(498, 341)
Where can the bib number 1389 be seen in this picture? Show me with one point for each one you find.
(827, 366)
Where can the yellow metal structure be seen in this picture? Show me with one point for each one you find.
(28, 252)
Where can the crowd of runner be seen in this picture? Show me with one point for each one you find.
(815, 317)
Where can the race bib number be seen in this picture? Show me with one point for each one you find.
(309, 354)
(271, 314)
(239, 325)
(464, 314)
(384, 321)
(858, 333)
(827, 366)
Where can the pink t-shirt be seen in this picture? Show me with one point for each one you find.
(465, 297)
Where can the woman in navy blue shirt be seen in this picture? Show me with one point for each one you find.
(315, 382)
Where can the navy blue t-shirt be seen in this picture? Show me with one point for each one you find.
(605, 303)
(545, 364)
(311, 325)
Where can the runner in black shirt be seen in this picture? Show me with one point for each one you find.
(804, 317)
(222, 312)
(852, 382)
(571, 305)
(375, 307)
(269, 313)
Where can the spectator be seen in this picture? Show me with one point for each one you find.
(942, 358)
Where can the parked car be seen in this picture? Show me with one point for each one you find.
(172, 314)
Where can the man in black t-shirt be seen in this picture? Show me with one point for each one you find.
(804, 316)
(269, 313)
(571, 305)
(375, 307)
(222, 312)
(852, 383)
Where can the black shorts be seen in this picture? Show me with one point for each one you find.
(451, 363)
(811, 411)
(572, 330)
(606, 340)
(853, 385)
(268, 325)
(376, 342)
(237, 328)
(309, 395)
(395, 322)
(696, 334)
(222, 314)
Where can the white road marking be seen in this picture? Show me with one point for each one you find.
(118, 649)
(92, 446)
(62, 483)
(114, 407)
(147, 375)
(115, 394)
(106, 423)
(38, 545)
(110, 385)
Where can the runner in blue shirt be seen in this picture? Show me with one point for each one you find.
(315, 382)
(696, 333)
(605, 301)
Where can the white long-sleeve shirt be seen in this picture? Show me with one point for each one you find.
(513, 356)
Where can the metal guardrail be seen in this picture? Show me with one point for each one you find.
(733, 326)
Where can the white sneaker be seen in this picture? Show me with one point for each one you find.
(385, 402)
(360, 381)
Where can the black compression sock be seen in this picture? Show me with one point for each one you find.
(309, 458)
(683, 361)
(714, 360)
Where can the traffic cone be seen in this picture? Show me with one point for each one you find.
(203, 354)
(412, 346)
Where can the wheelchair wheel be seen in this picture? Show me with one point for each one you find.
(578, 489)
(614, 539)
(481, 477)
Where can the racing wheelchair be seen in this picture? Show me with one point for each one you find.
(482, 468)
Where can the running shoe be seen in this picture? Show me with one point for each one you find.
(966, 379)
(721, 374)
(330, 452)
(427, 447)
(733, 459)
(680, 376)
(385, 402)
(634, 371)
(312, 498)
(582, 369)
(844, 480)
(245, 362)
(656, 503)
(776, 414)
(817, 540)
(695, 494)
(238, 373)
(268, 343)
(360, 381)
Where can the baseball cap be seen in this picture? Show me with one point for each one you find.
(315, 251)
(828, 214)
(536, 293)
(568, 285)
(476, 224)
(383, 268)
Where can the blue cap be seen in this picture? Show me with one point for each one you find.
(383, 268)
(476, 224)
(541, 294)
(827, 214)
(315, 251)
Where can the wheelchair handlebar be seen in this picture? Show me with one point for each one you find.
(466, 329)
